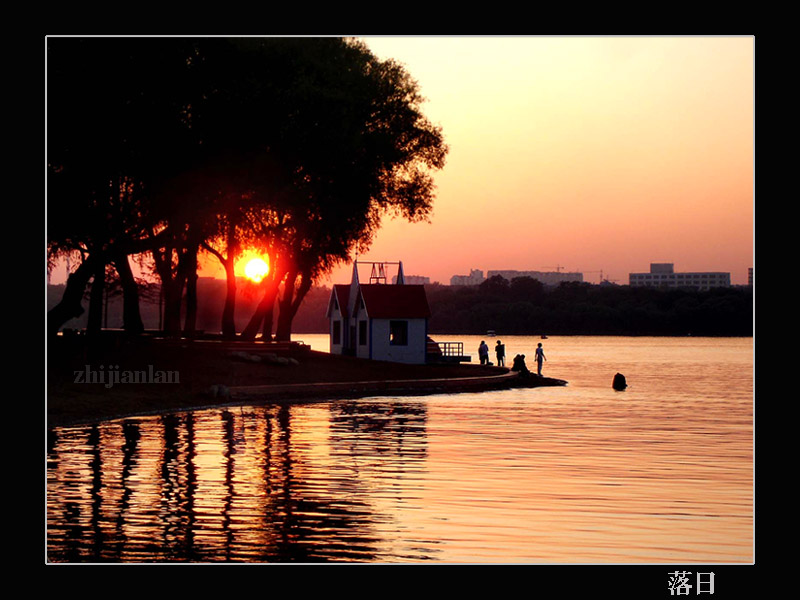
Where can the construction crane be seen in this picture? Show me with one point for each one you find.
(557, 268)
(602, 279)
(600, 271)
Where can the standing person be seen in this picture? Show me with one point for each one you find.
(500, 350)
(540, 357)
(483, 353)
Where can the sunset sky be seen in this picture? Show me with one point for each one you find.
(582, 153)
(588, 153)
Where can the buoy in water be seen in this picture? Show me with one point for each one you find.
(619, 383)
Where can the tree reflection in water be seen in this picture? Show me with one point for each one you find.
(290, 483)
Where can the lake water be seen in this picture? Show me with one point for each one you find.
(659, 473)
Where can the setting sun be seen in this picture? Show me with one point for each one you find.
(256, 269)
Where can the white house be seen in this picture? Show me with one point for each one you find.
(379, 321)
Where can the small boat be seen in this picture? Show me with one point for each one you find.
(490, 333)
(544, 337)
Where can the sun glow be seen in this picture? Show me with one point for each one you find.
(256, 269)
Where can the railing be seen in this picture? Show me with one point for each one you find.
(446, 348)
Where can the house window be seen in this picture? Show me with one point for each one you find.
(362, 333)
(337, 332)
(398, 333)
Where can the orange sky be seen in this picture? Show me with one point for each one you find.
(588, 153)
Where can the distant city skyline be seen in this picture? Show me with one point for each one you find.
(590, 153)
(59, 274)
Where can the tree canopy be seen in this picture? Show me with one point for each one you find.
(294, 146)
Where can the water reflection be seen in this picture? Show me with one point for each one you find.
(661, 473)
(243, 484)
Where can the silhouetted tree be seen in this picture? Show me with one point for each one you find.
(114, 133)
(315, 134)
(497, 285)
(355, 145)
(131, 316)
(526, 288)
(586, 309)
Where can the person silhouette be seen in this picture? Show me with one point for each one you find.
(520, 366)
(483, 353)
(540, 358)
(500, 350)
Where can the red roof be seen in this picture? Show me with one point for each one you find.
(342, 294)
(384, 301)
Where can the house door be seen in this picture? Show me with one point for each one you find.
(350, 346)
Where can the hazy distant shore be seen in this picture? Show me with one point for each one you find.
(520, 309)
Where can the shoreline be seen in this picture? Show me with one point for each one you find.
(218, 375)
(302, 393)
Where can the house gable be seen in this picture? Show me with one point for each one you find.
(338, 300)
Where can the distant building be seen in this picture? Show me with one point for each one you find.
(413, 280)
(475, 277)
(664, 275)
(750, 276)
(552, 278)
(379, 321)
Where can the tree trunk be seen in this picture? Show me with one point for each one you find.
(283, 330)
(131, 316)
(173, 278)
(190, 324)
(228, 312)
(173, 292)
(300, 294)
(266, 332)
(290, 303)
(95, 321)
(265, 308)
(70, 306)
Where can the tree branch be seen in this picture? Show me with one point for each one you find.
(213, 251)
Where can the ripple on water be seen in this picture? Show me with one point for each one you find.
(575, 474)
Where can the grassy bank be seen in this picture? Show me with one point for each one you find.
(85, 381)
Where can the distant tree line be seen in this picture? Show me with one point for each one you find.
(161, 150)
(525, 306)
(310, 317)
